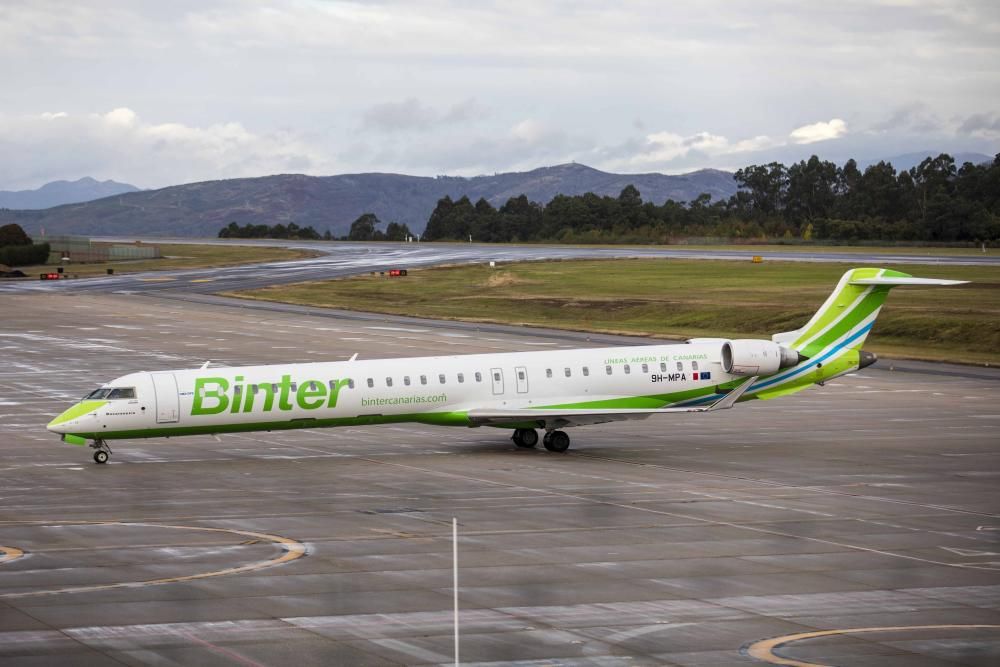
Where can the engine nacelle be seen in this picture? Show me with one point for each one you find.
(757, 357)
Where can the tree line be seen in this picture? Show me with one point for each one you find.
(279, 231)
(935, 201)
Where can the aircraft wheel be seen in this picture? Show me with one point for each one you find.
(556, 441)
(525, 437)
(101, 456)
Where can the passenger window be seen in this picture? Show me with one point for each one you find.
(406, 380)
(423, 379)
(461, 378)
(371, 382)
(237, 390)
(295, 386)
(680, 366)
(567, 371)
(350, 383)
(441, 378)
(663, 367)
(254, 389)
(479, 376)
(628, 369)
(645, 368)
(274, 388)
(694, 365)
(548, 372)
(586, 371)
(388, 382)
(607, 369)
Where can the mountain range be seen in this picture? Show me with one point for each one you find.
(333, 202)
(63, 192)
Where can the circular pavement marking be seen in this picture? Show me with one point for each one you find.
(7, 554)
(290, 550)
(763, 649)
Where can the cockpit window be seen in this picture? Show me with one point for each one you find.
(109, 393)
(122, 392)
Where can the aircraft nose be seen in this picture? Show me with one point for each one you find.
(62, 423)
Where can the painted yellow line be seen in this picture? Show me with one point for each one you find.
(203, 280)
(290, 550)
(763, 650)
(155, 280)
(7, 554)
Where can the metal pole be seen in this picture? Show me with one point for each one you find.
(454, 577)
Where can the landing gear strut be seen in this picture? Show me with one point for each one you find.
(556, 441)
(102, 453)
(525, 437)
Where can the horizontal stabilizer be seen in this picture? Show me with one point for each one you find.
(895, 282)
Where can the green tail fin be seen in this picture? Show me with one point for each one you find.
(849, 313)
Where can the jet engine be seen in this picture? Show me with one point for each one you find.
(757, 357)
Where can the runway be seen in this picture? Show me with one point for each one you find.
(344, 259)
(857, 523)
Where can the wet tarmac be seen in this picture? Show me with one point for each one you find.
(853, 524)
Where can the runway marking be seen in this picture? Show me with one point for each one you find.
(8, 554)
(763, 649)
(291, 550)
(155, 280)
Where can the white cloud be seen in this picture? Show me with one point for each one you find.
(119, 144)
(821, 131)
(660, 149)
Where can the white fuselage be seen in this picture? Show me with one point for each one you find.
(219, 399)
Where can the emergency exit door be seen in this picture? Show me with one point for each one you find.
(521, 377)
(496, 375)
(167, 403)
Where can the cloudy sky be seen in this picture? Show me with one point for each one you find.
(158, 93)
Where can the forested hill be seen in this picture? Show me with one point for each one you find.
(333, 202)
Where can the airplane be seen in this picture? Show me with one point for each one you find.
(522, 391)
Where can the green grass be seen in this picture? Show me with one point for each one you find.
(179, 256)
(678, 298)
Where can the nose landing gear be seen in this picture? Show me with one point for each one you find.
(102, 452)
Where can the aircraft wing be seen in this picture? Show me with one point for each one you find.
(560, 417)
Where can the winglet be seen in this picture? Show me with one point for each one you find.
(730, 399)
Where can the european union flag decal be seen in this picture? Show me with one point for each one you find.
(704, 375)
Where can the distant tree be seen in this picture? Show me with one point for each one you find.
(327, 236)
(13, 234)
(397, 232)
(363, 229)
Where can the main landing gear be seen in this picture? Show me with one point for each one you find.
(554, 441)
(102, 452)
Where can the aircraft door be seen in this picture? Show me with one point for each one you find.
(521, 376)
(496, 375)
(167, 403)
